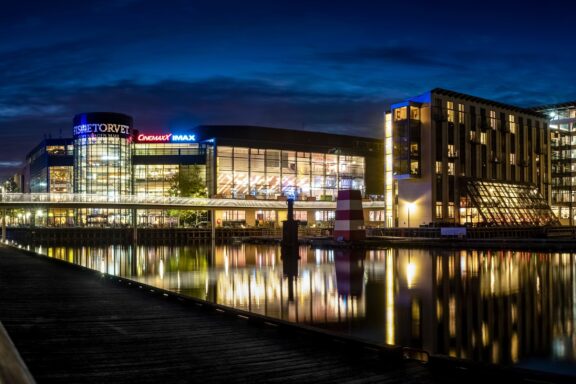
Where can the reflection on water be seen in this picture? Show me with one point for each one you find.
(502, 307)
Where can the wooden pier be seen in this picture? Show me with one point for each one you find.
(73, 325)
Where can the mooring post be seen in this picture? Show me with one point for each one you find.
(213, 225)
(4, 225)
(289, 249)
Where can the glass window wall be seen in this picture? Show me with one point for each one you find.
(267, 173)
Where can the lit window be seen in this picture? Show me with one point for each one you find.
(493, 119)
(376, 215)
(451, 151)
(483, 138)
(439, 210)
(450, 168)
(400, 114)
(450, 111)
(512, 159)
(414, 113)
(461, 113)
(512, 123)
(438, 167)
(450, 210)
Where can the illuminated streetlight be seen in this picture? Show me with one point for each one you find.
(409, 208)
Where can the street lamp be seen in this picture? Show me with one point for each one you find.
(409, 208)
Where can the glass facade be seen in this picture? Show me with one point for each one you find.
(269, 173)
(500, 203)
(103, 165)
(563, 163)
(106, 157)
(154, 179)
(60, 179)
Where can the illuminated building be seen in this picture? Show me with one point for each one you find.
(108, 157)
(459, 159)
(563, 152)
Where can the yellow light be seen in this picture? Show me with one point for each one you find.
(410, 274)
(390, 326)
(410, 207)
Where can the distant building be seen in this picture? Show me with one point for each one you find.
(562, 123)
(456, 159)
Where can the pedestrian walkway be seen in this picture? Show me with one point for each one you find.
(73, 325)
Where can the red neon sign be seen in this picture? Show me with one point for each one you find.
(154, 138)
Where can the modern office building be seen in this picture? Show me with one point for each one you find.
(562, 124)
(456, 159)
(108, 156)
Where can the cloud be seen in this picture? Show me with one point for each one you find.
(10, 164)
(401, 55)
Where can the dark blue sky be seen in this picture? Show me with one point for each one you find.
(331, 66)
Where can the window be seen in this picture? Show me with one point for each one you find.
(450, 210)
(400, 114)
(461, 113)
(376, 215)
(439, 210)
(483, 138)
(451, 168)
(451, 151)
(512, 123)
(450, 111)
(438, 167)
(493, 119)
(512, 159)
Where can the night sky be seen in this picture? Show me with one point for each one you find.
(331, 66)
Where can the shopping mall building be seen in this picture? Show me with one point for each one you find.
(107, 156)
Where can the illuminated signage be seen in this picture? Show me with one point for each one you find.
(165, 138)
(118, 129)
(181, 138)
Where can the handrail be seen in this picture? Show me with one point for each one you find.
(66, 199)
(12, 368)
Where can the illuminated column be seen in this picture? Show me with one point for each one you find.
(103, 153)
(388, 178)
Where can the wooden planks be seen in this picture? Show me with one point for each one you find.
(70, 325)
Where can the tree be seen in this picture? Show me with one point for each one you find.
(189, 183)
(10, 186)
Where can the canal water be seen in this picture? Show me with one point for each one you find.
(503, 307)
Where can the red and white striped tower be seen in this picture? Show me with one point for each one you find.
(349, 224)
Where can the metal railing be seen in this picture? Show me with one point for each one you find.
(14, 200)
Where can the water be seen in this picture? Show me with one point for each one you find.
(502, 307)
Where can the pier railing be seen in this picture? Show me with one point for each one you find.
(77, 200)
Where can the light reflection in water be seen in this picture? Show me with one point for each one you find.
(493, 306)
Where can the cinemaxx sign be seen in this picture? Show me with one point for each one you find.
(165, 138)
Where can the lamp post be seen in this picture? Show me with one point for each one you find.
(409, 208)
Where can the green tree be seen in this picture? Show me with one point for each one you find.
(10, 186)
(188, 182)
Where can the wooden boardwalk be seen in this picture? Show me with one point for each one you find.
(71, 325)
